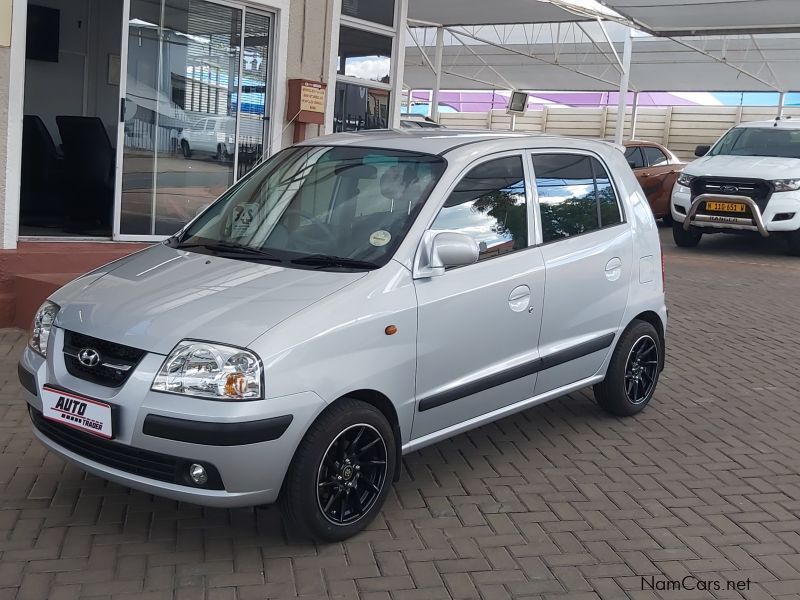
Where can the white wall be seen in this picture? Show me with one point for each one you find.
(90, 31)
(680, 128)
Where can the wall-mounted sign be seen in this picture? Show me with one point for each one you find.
(312, 97)
(306, 102)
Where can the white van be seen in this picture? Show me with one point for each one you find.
(355, 298)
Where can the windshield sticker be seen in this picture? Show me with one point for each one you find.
(380, 238)
(243, 217)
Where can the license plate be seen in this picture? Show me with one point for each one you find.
(78, 412)
(734, 207)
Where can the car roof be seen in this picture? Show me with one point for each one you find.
(441, 141)
(783, 123)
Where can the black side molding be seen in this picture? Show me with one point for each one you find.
(517, 372)
(27, 379)
(216, 434)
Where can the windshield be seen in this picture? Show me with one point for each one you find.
(759, 141)
(336, 207)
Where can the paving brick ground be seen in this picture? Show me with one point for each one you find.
(561, 501)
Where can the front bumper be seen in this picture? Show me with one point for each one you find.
(250, 444)
(782, 213)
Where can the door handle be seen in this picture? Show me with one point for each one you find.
(614, 269)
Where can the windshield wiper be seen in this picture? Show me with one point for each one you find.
(327, 260)
(232, 249)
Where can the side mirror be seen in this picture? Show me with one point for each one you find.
(702, 150)
(440, 251)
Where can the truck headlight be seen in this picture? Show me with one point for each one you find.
(42, 325)
(214, 371)
(786, 185)
(685, 179)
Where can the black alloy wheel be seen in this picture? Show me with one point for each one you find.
(352, 474)
(341, 472)
(641, 370)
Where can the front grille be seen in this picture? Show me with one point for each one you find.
(757, 189)
(145, 463)
(116, 363)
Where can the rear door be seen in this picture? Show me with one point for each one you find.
(479, 324)
(657, 179)
(588, 254)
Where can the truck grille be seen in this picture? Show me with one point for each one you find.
(145, 463)
(116, 362)
(757, 189)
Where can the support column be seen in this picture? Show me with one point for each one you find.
(623, 86)
(634, 114)
(398, 62)
(437, 81)
(781, 104)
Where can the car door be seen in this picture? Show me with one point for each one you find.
(588, 254)
(657, 179)
(478, 325)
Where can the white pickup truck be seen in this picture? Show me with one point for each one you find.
(748, 181)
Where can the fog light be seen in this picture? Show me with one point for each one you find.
(198, 474)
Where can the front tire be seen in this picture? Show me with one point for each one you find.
(341, 472)
(683, 238)
(633, 372)
(187, 151)
(794, 243)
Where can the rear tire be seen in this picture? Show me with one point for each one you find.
(667, 219)
(794, 243)
(341, 472)
(683, 238)
(633, 372)
(187, 151)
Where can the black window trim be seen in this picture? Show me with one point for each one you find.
(529, 199)
(575, 151)
(638, 148)
(660, 151)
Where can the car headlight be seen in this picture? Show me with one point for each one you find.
(206, 370)
(786, 185)
(685, 179)
(42, 325)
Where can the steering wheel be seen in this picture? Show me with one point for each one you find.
(310, 218)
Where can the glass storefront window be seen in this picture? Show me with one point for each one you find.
(358, 107)
(364, 55)
(376, 11)
(186, 126)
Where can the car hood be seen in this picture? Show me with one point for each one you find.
(155, 298)
(757, 167)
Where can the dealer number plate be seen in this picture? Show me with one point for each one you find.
(734, 207)
(78, 412)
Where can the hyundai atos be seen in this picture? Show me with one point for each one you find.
(355, 298)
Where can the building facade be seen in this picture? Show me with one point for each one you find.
(120, 120)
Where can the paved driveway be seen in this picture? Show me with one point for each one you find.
(561, 501)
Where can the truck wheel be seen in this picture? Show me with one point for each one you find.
(341, 472)
(633, 372)
(794, 243)
(683, 238)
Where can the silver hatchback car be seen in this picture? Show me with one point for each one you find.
(355, 298)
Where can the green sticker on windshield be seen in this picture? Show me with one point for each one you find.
(380, 238)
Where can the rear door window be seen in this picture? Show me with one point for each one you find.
(576, 195)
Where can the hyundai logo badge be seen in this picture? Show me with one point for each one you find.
(89, 357)
(730, 189)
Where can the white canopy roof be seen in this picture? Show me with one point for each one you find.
(578, 56)
(658, 17)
